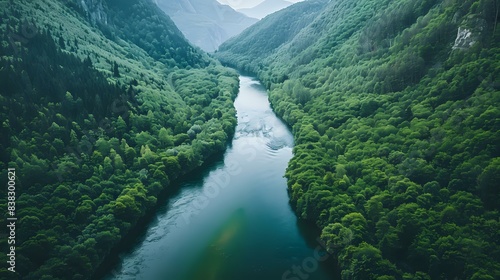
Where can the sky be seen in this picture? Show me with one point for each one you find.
(239, 4)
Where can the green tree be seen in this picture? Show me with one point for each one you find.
(489, 184)
(165, 138)
(116, 72)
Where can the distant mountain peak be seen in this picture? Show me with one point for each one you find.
(205, 23)
(265, 8)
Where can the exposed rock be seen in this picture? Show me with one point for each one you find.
(95, 11)
(465, 39)
(470, 31)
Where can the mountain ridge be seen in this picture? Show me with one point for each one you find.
(265, 8)
(205, 24)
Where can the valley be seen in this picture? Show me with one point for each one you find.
(182, 139)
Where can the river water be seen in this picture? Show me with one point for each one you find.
(232, 221)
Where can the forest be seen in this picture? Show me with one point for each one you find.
(396, 120)
(97, 121)
(394, 107)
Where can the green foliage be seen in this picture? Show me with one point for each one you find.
(397, 141)
(488, 184)
(146, 26)
(116, 72)
(95, 141)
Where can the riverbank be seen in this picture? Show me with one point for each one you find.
(139, 229)
(232, 221)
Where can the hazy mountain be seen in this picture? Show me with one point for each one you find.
(394, 106)
(205, 23)
(258, 42)
(265, 8)
(104, 103)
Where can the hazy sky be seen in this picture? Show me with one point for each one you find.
(238, 4)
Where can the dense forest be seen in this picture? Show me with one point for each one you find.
(104, 104)
(395, 109)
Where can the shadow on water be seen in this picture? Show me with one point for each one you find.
(138, 233)
(250, 233)
(311, 233)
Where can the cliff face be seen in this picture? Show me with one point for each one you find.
(470, 31)
(465, 39)
(95, 10)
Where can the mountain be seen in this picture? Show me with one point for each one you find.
(394, 106)
(257, 43)
(265, 8)
(206, 24)
(104, 104)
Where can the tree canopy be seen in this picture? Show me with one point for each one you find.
(97, 120)
(396, 129)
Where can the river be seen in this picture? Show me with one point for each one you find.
(233, 220)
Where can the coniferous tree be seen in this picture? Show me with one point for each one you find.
(116, 72)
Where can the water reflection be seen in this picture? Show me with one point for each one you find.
(234, 221)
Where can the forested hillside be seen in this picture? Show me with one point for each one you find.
(103, 105)
(395, 109)
(248, 50)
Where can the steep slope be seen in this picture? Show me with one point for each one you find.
(206, 24)
(249, 50)
(265, 8)
(104, 103)
(394, 108)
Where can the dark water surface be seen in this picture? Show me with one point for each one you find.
(232, 221)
